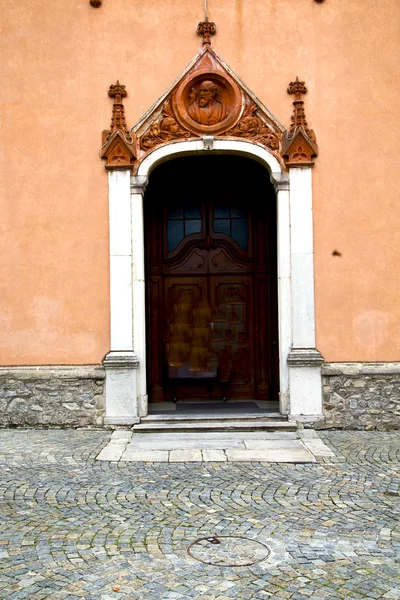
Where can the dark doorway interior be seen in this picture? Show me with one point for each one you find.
(210, 237)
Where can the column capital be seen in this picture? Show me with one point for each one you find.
(305, 357)
(138, 184)
(280, 181)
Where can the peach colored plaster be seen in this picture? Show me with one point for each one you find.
(58, 61)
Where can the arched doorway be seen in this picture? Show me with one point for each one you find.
(300, 391)
(211, 272)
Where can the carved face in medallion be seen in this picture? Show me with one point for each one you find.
(207, 93)
(205, 108)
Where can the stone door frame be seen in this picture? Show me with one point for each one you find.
(299, 362)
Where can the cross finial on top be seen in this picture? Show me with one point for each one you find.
(118, 92)
(206, 29)
(298, 88)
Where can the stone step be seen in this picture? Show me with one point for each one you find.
(258, 424)
(217, 416)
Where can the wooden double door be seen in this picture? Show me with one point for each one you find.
(210, 230)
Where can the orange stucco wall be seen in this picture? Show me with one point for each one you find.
(58, 60)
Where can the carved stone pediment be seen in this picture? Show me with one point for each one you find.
(208, 99)
(119, 152)
(300, 149)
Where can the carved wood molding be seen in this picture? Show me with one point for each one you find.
(119, 144)
(299, 144)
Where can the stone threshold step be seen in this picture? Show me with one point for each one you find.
(226, 425)
(200, 416)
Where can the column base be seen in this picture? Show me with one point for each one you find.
(121, 394)
(305, 384)
(284, 404)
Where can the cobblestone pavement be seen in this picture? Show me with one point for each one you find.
(73, 527)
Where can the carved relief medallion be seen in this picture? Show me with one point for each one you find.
(207, 102)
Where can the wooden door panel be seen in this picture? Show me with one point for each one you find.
(220, 260)
(211, 292)
(233, 332)
(262, 363)
(155, 325)
(195, 262)
(188, 352)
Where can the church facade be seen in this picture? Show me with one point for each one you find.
(239, 244)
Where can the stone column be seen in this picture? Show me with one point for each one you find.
(304, 359)
(281, 184)
(138, 186)
(121, 362)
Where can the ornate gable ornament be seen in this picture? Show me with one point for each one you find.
(207, 100)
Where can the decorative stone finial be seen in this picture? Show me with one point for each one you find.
(118, 142)
(298, 118)
(118, 92)
(299, 146)
(206, 29)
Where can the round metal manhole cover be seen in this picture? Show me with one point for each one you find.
(228, 551)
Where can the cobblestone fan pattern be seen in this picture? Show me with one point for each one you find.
(71, 397)
(362, 396)
(72, 527)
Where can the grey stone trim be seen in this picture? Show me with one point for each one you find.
(70, 396)
(138, 184)
(123, 359)
(305, 357)
(61, 372)
(361, 395)
(306, 419)
(356, 368)
(121, 420)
